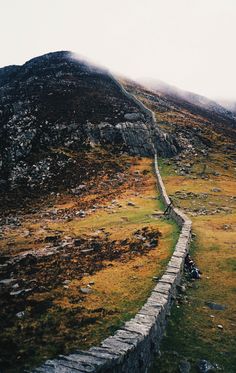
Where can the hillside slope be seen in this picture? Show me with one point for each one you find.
(196, 130)
(55, 104)
(223, 116)
(201, 180)
(58, 101)
(83, 256)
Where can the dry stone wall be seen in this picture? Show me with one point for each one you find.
(132, 347)
(150, 137)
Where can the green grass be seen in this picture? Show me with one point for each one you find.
(229, 265)
(120, 287)
(192, 333)
(165, 169)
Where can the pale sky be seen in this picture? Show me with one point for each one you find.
(187, 43)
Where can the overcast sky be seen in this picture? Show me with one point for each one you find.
(187, 43)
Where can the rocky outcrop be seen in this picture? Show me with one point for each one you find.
(58, 101)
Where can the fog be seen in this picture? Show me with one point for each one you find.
(186, 43)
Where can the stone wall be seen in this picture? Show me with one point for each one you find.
(132, 347)
(151, 139)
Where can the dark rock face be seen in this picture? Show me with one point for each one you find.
(57, 101)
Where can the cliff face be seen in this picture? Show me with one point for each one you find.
(57, 101)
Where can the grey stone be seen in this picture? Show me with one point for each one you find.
(182, 288)
(54, 366)
(83, 358)
(132, 116)
(128, 337)
(163, 288)
(184, 366)
(169, 279)
(20, 314)
(137, 328)
(85, 290)
(114, 343)
(205, 366)
(103, 353)
(8, 281)
(16, 293)
(130, 203)
(215, 306)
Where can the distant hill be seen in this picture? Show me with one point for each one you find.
(229, 105)
(192, 101)
(198, 128)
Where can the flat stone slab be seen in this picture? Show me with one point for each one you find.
(176, 262)
(114, 344)
(169, 279)
(135, 327)
(163, 288)
(54, 366)
(103, 353)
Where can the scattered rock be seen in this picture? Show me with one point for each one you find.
(132, 116)
(87, 251)
(205, 366)
(85, 290)
(215, 306)
(78, 189)
(227, 227)
(15, 286)
(78, 241)
(182, 288)
(20, 292)
(130, 203)
(8, 282)
(81, 213)
(184, 366)
(52, 239)
(20, 314)
(16, 293)
(216, 190)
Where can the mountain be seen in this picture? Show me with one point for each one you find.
(82, 235)
(228, 104)
(56, 104)
(193, 102)
(57, 101)
(199, 132)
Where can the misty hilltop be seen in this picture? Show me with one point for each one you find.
(218, 111)
(55, 100)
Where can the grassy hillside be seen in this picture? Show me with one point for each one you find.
(195, 330)
(82, 263)
(202, 182)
